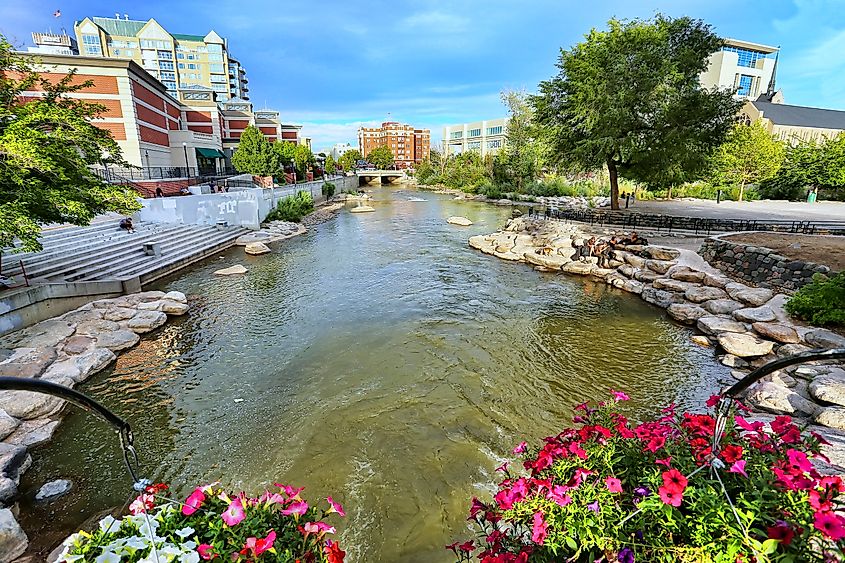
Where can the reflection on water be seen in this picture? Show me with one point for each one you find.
(378, 359)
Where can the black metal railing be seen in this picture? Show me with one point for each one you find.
(143, 173)
(698, 225)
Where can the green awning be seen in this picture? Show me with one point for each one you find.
(210, 153)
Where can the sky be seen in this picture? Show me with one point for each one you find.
(334, 66)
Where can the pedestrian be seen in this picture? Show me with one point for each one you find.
(126, 225)
(159, 192)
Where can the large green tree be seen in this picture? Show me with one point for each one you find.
(349, 160)
(255, 154)
(303, 158)
(381, 157)
(47, 146)
(629, 98)
(808, 165)
(331, 165)
(519, 162)
(285, 152)
(749, 155)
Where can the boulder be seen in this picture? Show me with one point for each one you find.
(777, 332)
(362, 209)
(177, 296)
(7, 424)
(720, 281)
(733, 362)
(257, 248)
(46, 334)
(260, 236)
(634, 260)
(718, 325)
(752, 296)
(780, 378)
(145, 321)
(91, 362)
(60, 371)
(231, 270)
(722, 306)
(33, 432)
(13, 460)
(79, 343)
(458, 220)
(602, 273)
(633, 286)
(822, 338)
(791, 349)
(755, 315)
(686, 274)
(659, 266)
(700, 294)
(660, 298)
(27, 362)
(832, 417)
(176, 308)
(777, 399)
(670, 284)
(646, 276)
(13, 540)
(53, 489)
(27, 405)
(577, 267)
(627, 270)
(95, 328)
(744, 345)
(661, 253)
(828, 389)
(117, 340)
(119, 313)
(701, 340)
(685, 312)
(81, 315)
(551, 261)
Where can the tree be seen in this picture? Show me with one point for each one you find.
(349, 160)
(519, 161)
(303, 158)
(331, 166)
(47, 146)
(808, 164)
(255, 154)
(749, 155)
(381, 158)
(629, 99)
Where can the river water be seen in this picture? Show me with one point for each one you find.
(378, 359)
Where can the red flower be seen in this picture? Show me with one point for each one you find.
(477, 507)
(467, 546)
(674, 480)
(732, 453)
(655, 444)
(782, 532)
(667, 461)
(206, 551)
(333, 552)
(830, 524)
(799, 460)
(671, 496)
(257, 546)
(713, 401)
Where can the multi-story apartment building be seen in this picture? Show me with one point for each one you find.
(484, 137)
(744, 67)
(176, 60)
(408, 144)
(54, 44)
(339, 148)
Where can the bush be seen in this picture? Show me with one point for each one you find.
(212, 525)
(821, 302)
(491, 191)
(607, 491)
(560, 187)
(292, 208)
(328, 190)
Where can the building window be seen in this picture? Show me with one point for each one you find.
(180, 55)
(169, 85)
(192, 66)
(167, 76)
(165, 65)
(215, 58)
(474, 145)
(216, 67)
(744, 85)
(153, 44)
(494, 130)
(746, 57)
(92, 44)
(494, 144)
(167, 55)
(214, 48)
(474, 133)
(181, 66)
(456, 135)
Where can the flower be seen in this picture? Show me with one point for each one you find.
(299, 507)
(713, 401)
(625, 555)
(206, 551)
(520, 448)
(830, 524)
(799, 460)
(193, 502)
(108, 557)
(257, 546)
(739, 467)
(594, 506)
(333, 552)
(732, 453)
(335, 507)
(503, 468)
(467, 546)
(318, 528)
(613, 484)
(667, 461)
(674, 480)
(619, 396)
(642, 491)
(143, 503)
(538, 530)
(558, 494)
(781, 531)
(234, 513)
(670, 496)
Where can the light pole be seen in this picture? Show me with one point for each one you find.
(185, 148)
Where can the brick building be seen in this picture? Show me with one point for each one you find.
(408, 145)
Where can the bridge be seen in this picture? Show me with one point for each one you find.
(379, 176)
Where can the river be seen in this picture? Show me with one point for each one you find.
(378, 359)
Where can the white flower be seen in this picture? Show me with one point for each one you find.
(189, 545)
(108, 557)
(185, 532)
(190, 557)
(136, 542)
(70, 558)
(107, 523)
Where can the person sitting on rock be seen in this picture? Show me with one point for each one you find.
(585, 250)
(634, 239)
(126, 225)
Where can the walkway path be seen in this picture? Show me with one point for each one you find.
(779, 210)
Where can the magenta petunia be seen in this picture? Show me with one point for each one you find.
(520, 448)
(613, 484)
(234, 513)
(299, 507)
(335, 507)
(738, 467)
(539, 529)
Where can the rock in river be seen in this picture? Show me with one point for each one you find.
(704, 293)
(362, 209)
(457, 220)
(778, 332)
(744, 345)
(231, 270)
(780, 400)
(755, 315)
(13, 540)
(718, 325)
(53, 489)
(685, 312)
(257, 248)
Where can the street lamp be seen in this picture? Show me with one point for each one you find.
(185, 148)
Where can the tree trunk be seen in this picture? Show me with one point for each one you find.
(614, 184)
(741, 190)
(669, 193)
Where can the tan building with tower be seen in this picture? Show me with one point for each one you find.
(793, 123)
(746, 68)
(484, 137)
(408, 144)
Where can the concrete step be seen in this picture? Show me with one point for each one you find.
(96, 238)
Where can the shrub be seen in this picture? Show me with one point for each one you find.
(212, 525)
(292, 208)
(328, 190)
(609, 491)
(491, 191)
(821, 302)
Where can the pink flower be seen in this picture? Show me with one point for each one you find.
(713, 401)
(521, 447)
(299, 507)
(667, 461)
(257, 546)
(739, 467)
(193, 502)
(503, 468)
(538, 530)
(614, 485)
(830, 524)
(335, 507)
(318, 528)
(234, 514)
(143, 503)
(799, 460)
(619, 396)
(671, 496)
(559, 496)
(206, 551)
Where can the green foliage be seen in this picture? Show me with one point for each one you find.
(303, 158)
(629, 98)
(556, 186)
(821, 302)
(520, 160)
(749, 155)
(255, 154)
(381, 158)
(425, 171)
(46, 148)
(328, 189)
(285, 151)
(292, 208)
(349, 159)
(331, 165)
(809, 165)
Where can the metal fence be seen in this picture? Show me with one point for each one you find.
(698, 225)
(136, 174)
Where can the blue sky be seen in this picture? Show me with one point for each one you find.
(333, 66)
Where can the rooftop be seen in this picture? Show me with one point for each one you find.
(125, 28)
(188, 37)
(801, 116)
(759, 47)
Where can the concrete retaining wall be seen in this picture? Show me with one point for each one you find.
(758, 265)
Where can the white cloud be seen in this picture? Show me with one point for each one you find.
(435, 22)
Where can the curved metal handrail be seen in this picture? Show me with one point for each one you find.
(773, 366)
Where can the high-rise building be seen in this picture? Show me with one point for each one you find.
(484, 137)
(177, 60)
(408, 144)
(54, 44)
(746, 68)
(339, 148)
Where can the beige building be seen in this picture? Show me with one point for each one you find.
(176, 60)
(485, 137)
(793, 123)
(746, 68)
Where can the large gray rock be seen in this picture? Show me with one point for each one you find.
(60, 371)
(53, 489)
(231, 271)
(661, 298)
(7, 424)
(670, 284)
(780, 400)
(723, 306)
(646, 276)
(83, 315)
(777, 332)
(634, 260)
(576, 267)
(118, 339)
(177, 296)
(832, 417)
(117, 314)
(95, 328)
(27, 362)
(822, 338)
(659, 266)
(257, 248)
(33, 432)
(627, 270)
(719, 280)
(171, 307)
(744, 345)
(755, 314)
(685, 312)
(27, 405)
(828, 389)
(458, 220)
(661, 253)
(791, 349)
(13, 460)
(146, 321)
(46, 334)
(684, 273)
(718, 325)
(700, 294)
(13, 540)
(79, 343)
(92, 362)
(753, 296)
(634, 286)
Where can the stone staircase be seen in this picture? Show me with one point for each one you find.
(102, 251)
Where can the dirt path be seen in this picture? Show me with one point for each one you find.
(827, 250)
